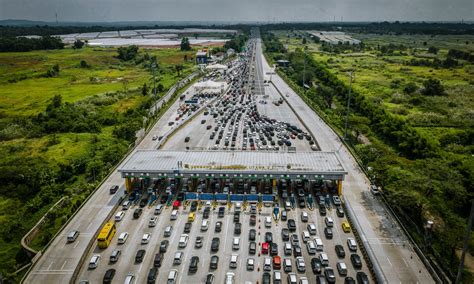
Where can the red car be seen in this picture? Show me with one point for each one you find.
(176, 204)
(265, 247)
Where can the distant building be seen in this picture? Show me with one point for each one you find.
(201, 57)
(283, 63)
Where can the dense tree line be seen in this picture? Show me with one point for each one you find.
(237, 42)
(27, 44)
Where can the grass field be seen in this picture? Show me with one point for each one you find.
(109, 87)
(383, 77)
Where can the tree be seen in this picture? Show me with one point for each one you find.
(433, 87)
(53, 72)
(78, 44)
(185, 57)
(178, 68)
(144, 89)
(410, 88)
(185, 45)
(433, 50)
(84, 64)
(127, 53)
(304, 41)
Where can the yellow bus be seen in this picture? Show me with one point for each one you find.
(106, 235)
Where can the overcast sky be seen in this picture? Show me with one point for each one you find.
(238, 10)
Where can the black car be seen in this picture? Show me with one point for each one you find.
(297, 250)
(205, 214)
(266, 278)
(193, 265)
(152, 274)
(268, 237)
(340, 251)
(164, 246)
(187, 227)
(362, 278)
(109, 276)
(252, 234)
(113, 189)
(316, 265)
(340, 211)
(163, 199)
(356, 261)
(194, 205)
(329, 274)
(139, 256)
(322, 211)
(218, 227)
(291, 225)
(236, 217)
(144, 202)
(301, 202)
(273, 249)
(137, 213)
(158, 260)
(285, 234)
(252, 247)
(349, 280)
(237, 228)
(214, 262)
(221, 212)
(210, 278)
(215, 244)
(328, 233)
(253, 220)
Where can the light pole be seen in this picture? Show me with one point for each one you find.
(348, 104)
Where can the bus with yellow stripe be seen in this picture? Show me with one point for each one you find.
(106, 235)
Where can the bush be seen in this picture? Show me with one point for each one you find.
(433, 87)
(127, 53)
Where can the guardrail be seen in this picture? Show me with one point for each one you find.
(131, 148)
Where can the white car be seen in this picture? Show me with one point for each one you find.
(300, 265)
(122, 238)
(229, 278)
(153, 221)
(183, 240)
(119, 216)
(94, 261)
(146, 238)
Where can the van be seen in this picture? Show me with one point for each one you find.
(305, 236)
(119, 216)
(267, 264)
(204, 225)
(152, 275)
(72, 236)
(287, 265)
(288, 249)
(341, 268)
(319, 244)
(191, 217)
(178, 258)
(233, 261)
(311, 247)
(94, 261)
(125, 205)
(329, 221)
(172, 276)
(323, 257)
(352, 244)
(158, 209)
(114, 257)
(268, 222)
(122, 238)
(130, 279)
(174, 215)
(236, 243)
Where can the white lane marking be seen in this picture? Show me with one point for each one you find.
(389, 261)
(88, 227)
(77, 243)
(64, 264)
(404, 261)
(51, 264)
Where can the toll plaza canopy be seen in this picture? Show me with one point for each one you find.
(233, 164)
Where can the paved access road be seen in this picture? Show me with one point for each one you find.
(393, 251)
